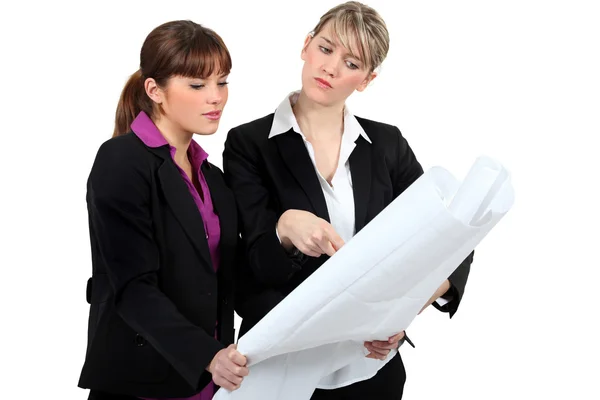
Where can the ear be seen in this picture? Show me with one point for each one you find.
(363, 85)
(153, 91)
(306, 42)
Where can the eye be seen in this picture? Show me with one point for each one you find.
(325, 50)
(223, 84)
(351, 65)
(197, 87)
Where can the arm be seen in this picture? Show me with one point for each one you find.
(458, 281)
(119, 208)
(269, 262)
(253, 300)
(407, 170)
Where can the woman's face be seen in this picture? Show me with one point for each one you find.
(193, 105)
(332, 72)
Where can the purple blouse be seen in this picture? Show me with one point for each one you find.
(148, 133)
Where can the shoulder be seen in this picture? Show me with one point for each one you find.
(388, 140)
(122, 149)
(385, 137)
(256, 130)
(249, 139)
(381, 134)
(121, 159)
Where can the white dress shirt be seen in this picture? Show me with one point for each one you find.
(339, 196)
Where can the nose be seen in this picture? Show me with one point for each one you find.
(330, 67)
(215, 96)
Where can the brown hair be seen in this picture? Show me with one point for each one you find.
(176, 48)
(354, 20)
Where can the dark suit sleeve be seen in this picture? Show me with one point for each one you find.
(407, 170)
(458, 281)
(253, 300)
(118, 203)
(271, 265)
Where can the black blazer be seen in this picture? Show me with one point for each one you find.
(154, 295)
(270, 176)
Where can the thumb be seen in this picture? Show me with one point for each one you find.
(232, 351)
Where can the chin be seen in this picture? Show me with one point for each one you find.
(206, 131)
(319, 96)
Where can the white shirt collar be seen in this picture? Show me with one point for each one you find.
(284, 120)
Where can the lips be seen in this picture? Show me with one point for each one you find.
(213, 115)
(323, 83)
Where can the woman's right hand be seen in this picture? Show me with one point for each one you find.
(228, 368)
(310, 234)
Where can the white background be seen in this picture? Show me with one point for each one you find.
(515, 80)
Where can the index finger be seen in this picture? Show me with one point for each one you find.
(334, 238)
(327, 247)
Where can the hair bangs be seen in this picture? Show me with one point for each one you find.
(206, 55)
(349, 29)
(360, 29)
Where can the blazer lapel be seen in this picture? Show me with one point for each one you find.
(360, 168)
(183, 206)
(225, 208)
(296, 157)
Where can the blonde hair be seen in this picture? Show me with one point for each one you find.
(354, 20)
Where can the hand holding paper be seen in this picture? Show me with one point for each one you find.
(380, 349)
(228, 368)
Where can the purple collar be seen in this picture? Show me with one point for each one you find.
(145, 129)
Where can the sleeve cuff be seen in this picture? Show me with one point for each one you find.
(442, 301)
(298, 258)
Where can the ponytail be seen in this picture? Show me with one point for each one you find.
(133, 100)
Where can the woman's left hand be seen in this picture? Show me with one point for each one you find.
(379, 349)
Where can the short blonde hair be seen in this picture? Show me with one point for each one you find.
(354, 20)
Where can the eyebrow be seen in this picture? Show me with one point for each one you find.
(327, 40)
(223, 75)
(347, 54)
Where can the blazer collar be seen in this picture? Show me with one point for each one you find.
(284, 120)
(176, 191)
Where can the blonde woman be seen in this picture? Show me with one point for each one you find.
(311, 175)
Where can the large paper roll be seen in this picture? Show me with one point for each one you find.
(373, 287)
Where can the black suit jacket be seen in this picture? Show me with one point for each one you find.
(155, 297)
(270, 176)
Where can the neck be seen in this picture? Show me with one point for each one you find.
(318, 121)
(176, 137)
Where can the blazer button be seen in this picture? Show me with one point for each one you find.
(225, 301)
(139, 340)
